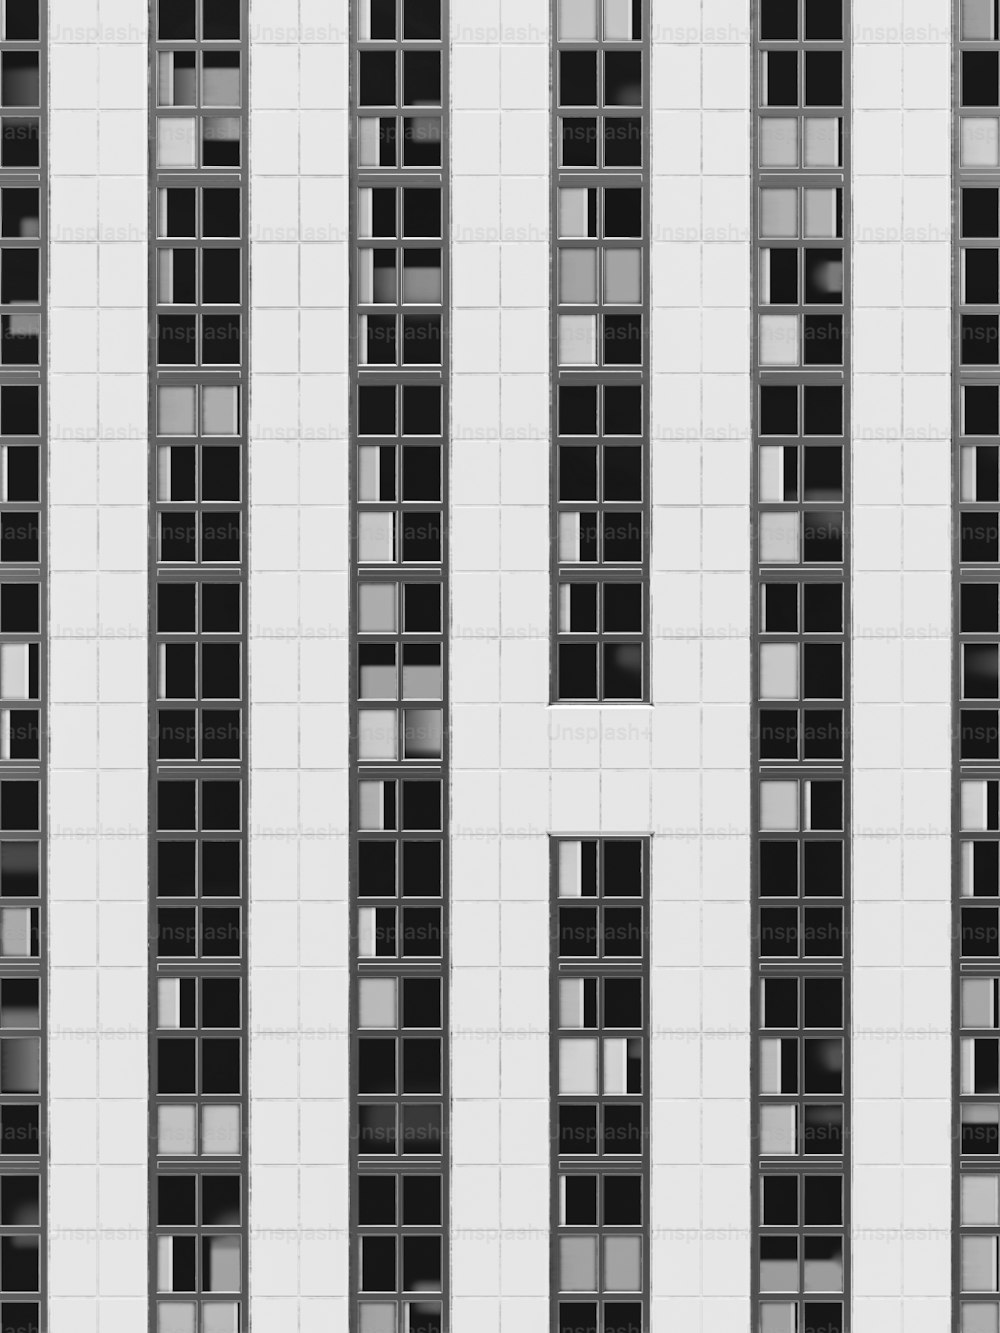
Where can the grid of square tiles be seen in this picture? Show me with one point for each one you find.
(299, 924)
(504, 799)
(98, 811)
(901, 668)
(699, 750)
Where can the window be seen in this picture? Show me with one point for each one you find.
(979, 878)
(211, 1205)
(800, 741)
(188, 276)
(204, 212)
(804, 668)
(196, 472)
(600, 1055)
(198, 78)
(407, 277)
(21, 1215)
(400, 660)
(976, 626)
(399, 668)
(205, 79)
(197, 409)
(23, 671)
(406, 1252)
(199, 278)
(403, 76)
(209, 20)
(599, 360)
(800, 85)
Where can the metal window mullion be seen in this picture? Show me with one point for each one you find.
(396, 573)
(198, 573)
(965, 575)
(799, 575)
(35, 966)
(599, 1163)
(598, 177)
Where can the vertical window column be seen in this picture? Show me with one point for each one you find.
(399, 668)
(199, 274)
(800, 741)
(600, 1085)
(600, 351)
(23, 666)
(976, 757)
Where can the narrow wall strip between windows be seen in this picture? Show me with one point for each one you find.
(600, 350)
(800, 739)
(600, 1085)
(199, 276)
(976, 385)
(399, 669)
(23, 667)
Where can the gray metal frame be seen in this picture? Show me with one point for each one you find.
(200, 573)
(802, 768)
(969, 572)
(19, 1166)
(606, 575)
(398, 574)
(599, 1164)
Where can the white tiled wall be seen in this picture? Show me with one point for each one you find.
(699, 790)
(503, 799)
(98, 811)
(901, 678)
(298, 663)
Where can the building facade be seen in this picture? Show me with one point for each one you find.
(498, 661)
